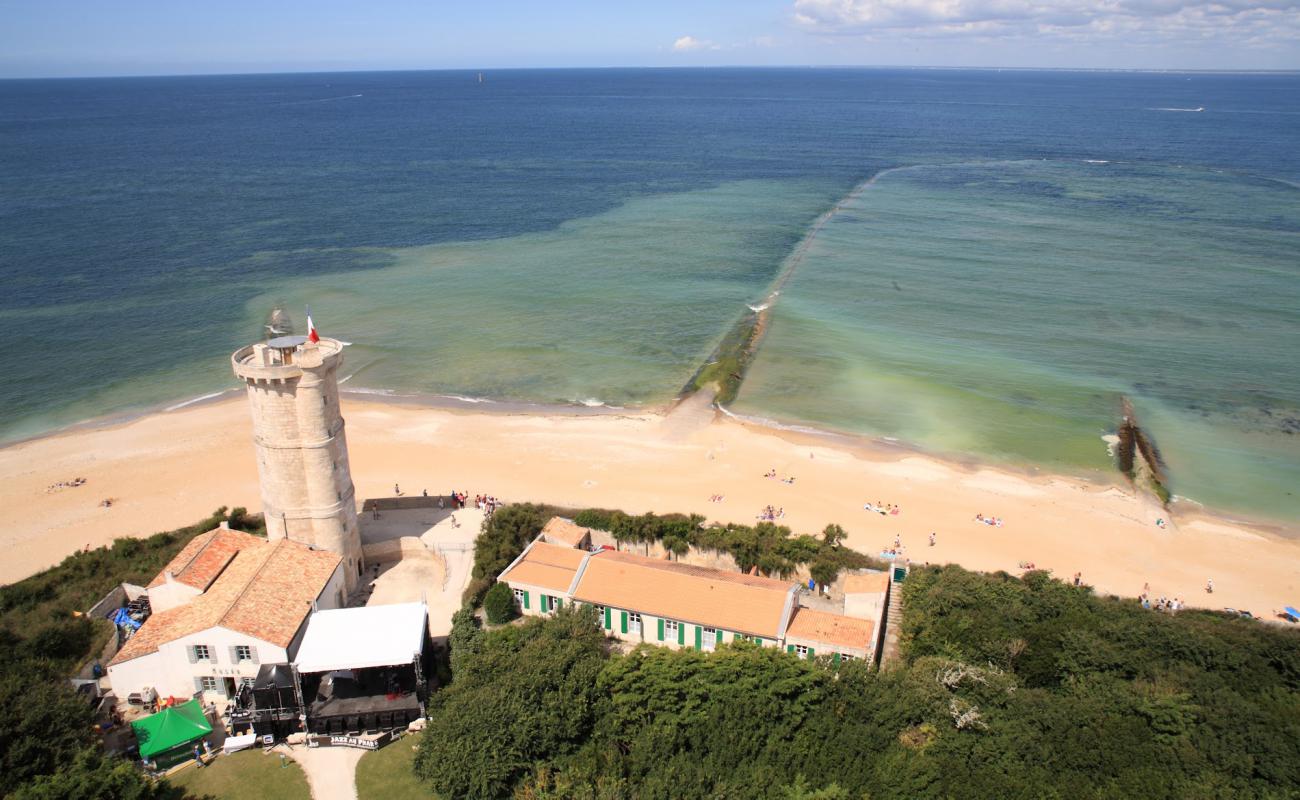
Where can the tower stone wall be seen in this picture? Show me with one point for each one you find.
(302, 449)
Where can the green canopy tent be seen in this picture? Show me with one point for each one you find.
(168, 735)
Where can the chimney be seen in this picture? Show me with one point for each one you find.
(169, 576)
(224, 525)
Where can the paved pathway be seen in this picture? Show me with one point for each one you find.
(331, 771)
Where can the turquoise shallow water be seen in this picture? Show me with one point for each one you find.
(589, 236)
(613, 309)
(1003, 309)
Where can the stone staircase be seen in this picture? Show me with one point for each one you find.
(893, 622)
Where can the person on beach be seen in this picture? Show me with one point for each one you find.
(397, 489)
(1209, 586)
(932, 538)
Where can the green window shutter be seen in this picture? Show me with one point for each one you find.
(623, 621)
(525, 599)
(661, 629)
(699, 638)
(811, 652)
(559, 602)
(758, 641)
(789, 648)
(835, 659)
(681, 633)
(609, 623)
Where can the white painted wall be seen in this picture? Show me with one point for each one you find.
(170, 672)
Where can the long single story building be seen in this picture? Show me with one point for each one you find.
(662, 602)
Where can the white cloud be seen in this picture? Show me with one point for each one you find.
(686, 44)
(1248, 22)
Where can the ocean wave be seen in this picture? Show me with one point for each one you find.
(592, 402)
(1181, 110)
(463, 399)
(194, 400)
(364, 390)
(767, 422)
(1095, 161)
(761, 307)
(348, 378)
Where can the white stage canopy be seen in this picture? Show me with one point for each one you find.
(360, 638)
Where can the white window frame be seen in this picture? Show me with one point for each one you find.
(243, 652)
(519, 597)
(245, 682)
(600, 617)
(709, 645)
(801, 650)
(633, 623)
(211, 683)
(671, 628)
(847, 656)
(205, 650)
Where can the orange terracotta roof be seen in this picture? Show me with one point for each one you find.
(564, 530)
(549, 566)
(265, 591)
(204, 557)
(715, 598)
(868, 583)
(836, 630)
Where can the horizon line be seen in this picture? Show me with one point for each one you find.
(701, 67)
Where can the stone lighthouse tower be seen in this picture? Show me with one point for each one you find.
(302, 452)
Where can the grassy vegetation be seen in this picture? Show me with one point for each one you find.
(388, 774)
(38, 615)
(247, 775)
(45, 727)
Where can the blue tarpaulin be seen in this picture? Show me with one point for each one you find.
(1291, 610)
(120, 617)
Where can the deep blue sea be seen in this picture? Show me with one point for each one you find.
(1007, 253)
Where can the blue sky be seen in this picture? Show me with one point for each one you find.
(151, 37)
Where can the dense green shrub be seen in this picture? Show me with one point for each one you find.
(90, 776)
(503, 537)
(1007, 688)
(770, 547)
(523, 697)
(45, 727)
(499, 604)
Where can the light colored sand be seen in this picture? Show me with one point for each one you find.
(170, 469)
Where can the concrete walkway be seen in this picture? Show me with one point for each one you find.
(455, 544)
(331, 771)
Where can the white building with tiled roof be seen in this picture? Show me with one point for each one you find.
(226, 603)
(656, 601)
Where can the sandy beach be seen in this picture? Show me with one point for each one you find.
(170, 469)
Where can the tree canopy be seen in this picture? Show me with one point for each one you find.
(1006, 687)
